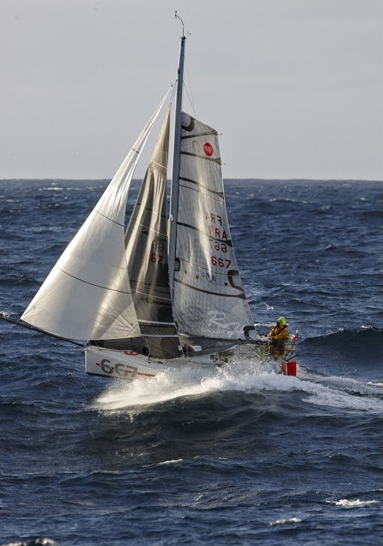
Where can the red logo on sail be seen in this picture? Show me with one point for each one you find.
(208, 149)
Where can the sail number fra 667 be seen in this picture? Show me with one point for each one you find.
(221, 262)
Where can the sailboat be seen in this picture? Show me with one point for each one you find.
(160, 291)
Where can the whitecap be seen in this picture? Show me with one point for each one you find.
(286, 521)
(346, 503)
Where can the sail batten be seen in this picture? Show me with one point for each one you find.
(241, 296)
(207, 133)
(208, 235)
(209, 193)
(198, 156)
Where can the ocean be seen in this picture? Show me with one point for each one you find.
(234, 456)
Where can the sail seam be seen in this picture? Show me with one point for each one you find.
(107, 218)
(149, 228)
(158, 164)
(93, 284)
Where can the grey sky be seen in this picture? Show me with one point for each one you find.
(294, 86)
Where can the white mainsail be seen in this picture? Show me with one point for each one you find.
(87, 295)
(208, 298)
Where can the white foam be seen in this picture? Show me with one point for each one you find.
(377, 384)
(341, 392)
(286, 521)
(240, 376)
(169, 385)
(334, 396)
(172, 461)
(352, 503)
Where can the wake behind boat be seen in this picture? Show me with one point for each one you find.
(164, 290)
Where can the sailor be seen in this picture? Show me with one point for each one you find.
(279, 335)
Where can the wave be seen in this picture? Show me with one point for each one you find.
(241, 385)
(343, 393)
(10, 279)
(355, 503)
(34, 542)
(363, 345)
(287, 521)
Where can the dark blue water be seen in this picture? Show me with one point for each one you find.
(231, 457)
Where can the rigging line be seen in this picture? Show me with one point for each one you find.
(190, 95)
(173, 93)
(191, 101)
(188, 87)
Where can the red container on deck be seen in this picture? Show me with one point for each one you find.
(289, 368)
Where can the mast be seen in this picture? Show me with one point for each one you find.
(176, 164)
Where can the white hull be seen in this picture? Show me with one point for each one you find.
(130, 365)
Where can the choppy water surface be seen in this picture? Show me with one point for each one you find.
(231, 456)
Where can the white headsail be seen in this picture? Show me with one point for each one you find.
(87, 294)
